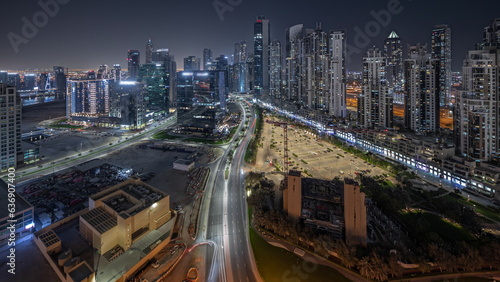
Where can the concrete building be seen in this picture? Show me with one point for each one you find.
(338, 106)
(11, 154)
(134, 62)
(127, 104)
(88, 100)
(421, 91)
(476, 115)
(375, 105)
(123, 213)
(275, 69)
(191, 63)
(354, 214)
(441, 51)
(261, 42)
(331, 206)
(394, 72)
(123, 228)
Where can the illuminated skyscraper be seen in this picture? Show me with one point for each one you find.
(149, 51)
(207, 59)
(29, 81)
(275, 86)
(293, 37)
(3, 77)
(117, 73)
(87, 99)
(421, 91)
(102, 72)
(156, 81)
(374, 103)
(337, 103)
(239, 69)
(10, 114)
(60, 82)
(477, 113)
(191, 63)
(261, 41)
(393, 53)
(441, 51)
(133, 60)
(127, 104)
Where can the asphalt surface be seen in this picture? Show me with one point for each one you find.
(227, 218)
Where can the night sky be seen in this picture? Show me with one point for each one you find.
(85, 34)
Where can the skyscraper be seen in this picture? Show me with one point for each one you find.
(317, 69)
(117, 73)
(293, 36)
(127, 104)
(240, 52)
(133, 60)
(60, 82)
(393, 53)
(441, 51)
(87, 99)
(239, 72)
(149, 51)
(156, 80)
(261, 41)
(163, 58)
(191, 63)
(374, 103)
(3, 77)
(275, 86)
(207, 59)
(102, 72)
(10, 114)
(29, 81)
(421, 91)
(477, 108)
(338, 106)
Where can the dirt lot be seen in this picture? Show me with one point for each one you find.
(314, 157)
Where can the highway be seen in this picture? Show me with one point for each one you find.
(223, 219)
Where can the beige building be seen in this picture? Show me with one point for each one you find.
(333, 206)
(127, 224)
(122, 214)
(292, 196)
(354, 213)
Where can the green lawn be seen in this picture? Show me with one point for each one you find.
(433, 223)
(483, 210)
(277, 265)
(164, 135)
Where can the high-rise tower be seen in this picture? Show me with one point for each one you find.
(441, 51)
(374, 104)
(133, 60)
(149, 51)
(261, 41)
(421, 91)
(477, 109)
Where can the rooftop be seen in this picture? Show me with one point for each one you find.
(101, 220)
(21, 204)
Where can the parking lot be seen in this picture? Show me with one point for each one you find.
(314, 157)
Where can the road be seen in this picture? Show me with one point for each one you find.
(223, 218)
(33, 172)
(227, 222)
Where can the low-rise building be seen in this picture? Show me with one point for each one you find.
(125, 225)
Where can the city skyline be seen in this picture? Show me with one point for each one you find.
(84, 47)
